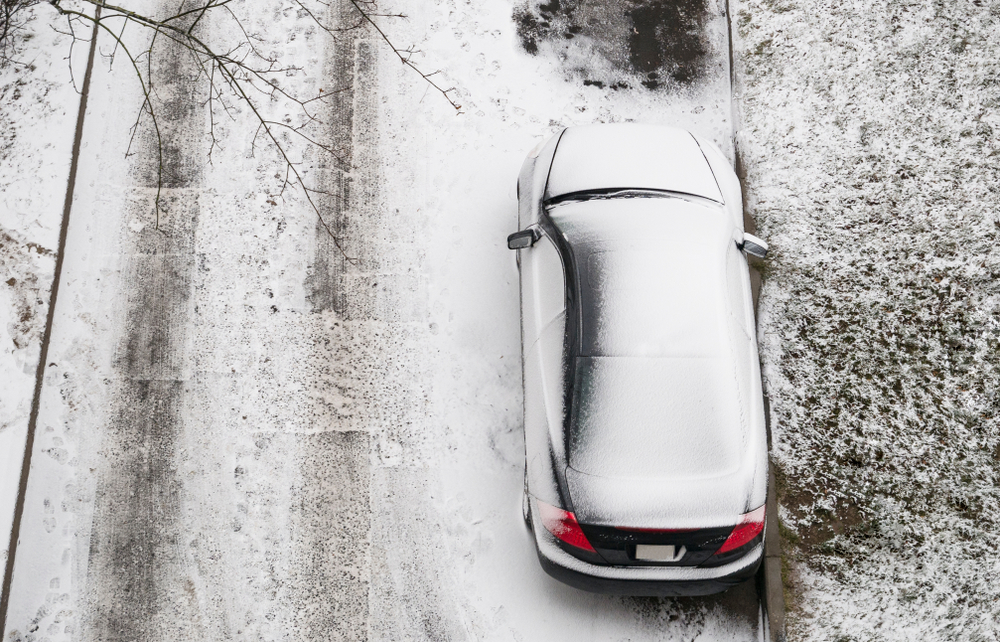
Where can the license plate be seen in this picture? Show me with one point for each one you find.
(658, 552)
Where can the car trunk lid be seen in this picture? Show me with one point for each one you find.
(600, 157)
(658, 443)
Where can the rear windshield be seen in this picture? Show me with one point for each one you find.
(643, 303)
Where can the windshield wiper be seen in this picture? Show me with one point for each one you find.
(608, 194)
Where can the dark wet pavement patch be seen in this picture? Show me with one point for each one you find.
(655, 43)
(668, 38)
(546, 21)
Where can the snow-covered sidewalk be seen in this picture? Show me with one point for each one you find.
(38, 112)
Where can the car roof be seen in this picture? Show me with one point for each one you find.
(600, 157)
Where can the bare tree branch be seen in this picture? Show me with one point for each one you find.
(405, 59)
(13, 17)
(234, 74)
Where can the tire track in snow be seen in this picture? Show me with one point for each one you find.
(325, 281)
(376, 307)
(135, 574)
(232, 478)
(330, 518)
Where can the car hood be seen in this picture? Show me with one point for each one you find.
(657, 442)
(599, 157)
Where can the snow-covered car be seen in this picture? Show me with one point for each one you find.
(645, 443)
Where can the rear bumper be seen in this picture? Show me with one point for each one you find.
(649, 588)
(642, 580)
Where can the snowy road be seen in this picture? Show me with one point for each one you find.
(243, 435)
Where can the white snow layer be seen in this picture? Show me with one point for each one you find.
(869, 135)
(330, 457)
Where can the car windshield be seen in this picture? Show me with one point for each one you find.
(649, 276)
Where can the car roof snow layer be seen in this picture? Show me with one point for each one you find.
(657, 411)
(651, 275)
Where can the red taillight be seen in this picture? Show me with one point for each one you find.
(749, 527)
(563, 525)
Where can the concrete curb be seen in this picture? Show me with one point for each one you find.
(770, 586)
(774, 590)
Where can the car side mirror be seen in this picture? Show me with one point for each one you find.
(523, 239)
(753, 246)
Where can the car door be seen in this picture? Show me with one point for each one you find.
(743, 336)
(543, 324)
(543, 288)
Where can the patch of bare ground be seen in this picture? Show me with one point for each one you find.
(654, 44)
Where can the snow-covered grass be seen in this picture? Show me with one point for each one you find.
(869, 134)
